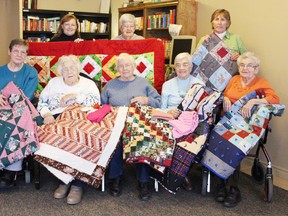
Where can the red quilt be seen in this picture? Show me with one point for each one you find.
(102, 53)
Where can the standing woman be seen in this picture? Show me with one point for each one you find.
(221, 21)
(122, 91)
(68, 30)
(127, 23)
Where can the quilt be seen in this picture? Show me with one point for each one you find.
(212, 63)
(234, 136)
(18, 135)
(98, 59)
(75, 148)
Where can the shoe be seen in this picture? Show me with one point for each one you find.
(75, 195)
(8, 179)
(187, 184)
(144, 194)
(233, 197)
(115, 187)
(221, 193)
(62, 191)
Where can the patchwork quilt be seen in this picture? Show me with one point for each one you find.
(73, 147)
(234, 136)
(213, 64)
(98, 59)
(18, 135)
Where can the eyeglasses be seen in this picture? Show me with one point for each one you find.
(250, 67)
(19, 52)
(71, 25)
(69, 68)
(128, 26)
(122, 66)
(184, 65)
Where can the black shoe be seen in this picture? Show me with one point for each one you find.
(144, 194)
(8, 178)
(115, 187)
(187, 184)
(221, 193)
(233, 197)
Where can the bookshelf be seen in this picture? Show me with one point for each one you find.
(40, 25)
(183, 12)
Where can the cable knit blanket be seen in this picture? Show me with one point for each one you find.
(234, 136)
(18, 135)
(73, 147)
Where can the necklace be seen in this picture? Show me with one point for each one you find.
(183, 86)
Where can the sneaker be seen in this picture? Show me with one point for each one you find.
(144, 193)
(8, 178)
(233, 197)
(75, 195)
(221, 193)
(62, 191)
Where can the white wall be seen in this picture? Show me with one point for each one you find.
(262, 25)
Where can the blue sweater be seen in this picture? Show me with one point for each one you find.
(26, 79)
(119, 93)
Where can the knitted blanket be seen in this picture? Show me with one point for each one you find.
(234, 136)
(212, 63)
(73, 147)
(18, 134)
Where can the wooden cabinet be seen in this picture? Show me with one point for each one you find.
(40, 25)
(185, 12)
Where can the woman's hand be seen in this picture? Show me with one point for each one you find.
(2, 100)
(48, 119)
(141, 100)
(78, 40)
(234, 56)
(174, 112)
(67, 100)
(226, 104)
(246, 109)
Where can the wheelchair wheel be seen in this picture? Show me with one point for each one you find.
(268, 188)
(204, 181)
(27, 176)
(258, 171)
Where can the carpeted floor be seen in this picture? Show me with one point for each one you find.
(24, 199)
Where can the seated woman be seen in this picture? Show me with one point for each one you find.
(122, 91)
(240, 85)
(59, 93)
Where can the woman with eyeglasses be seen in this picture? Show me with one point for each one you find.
(123, 91)
(240, 85)
(175, 89)
(68, 30)
(127, 26)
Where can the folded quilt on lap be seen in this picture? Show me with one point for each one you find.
(18, 135)
(234, 136)
(74, 147)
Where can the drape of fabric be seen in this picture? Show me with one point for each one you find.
(73, 147)
(146, 139)
(213, 64)
(18, 134)
(234, 136)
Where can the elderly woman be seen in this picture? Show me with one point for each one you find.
(127, 27)
(68, 30)
(240, 85)
(59, 93)
(26, 78)
(175, 89)
(221, 21)
(122, 91)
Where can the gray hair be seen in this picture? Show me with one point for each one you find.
(68, 58)
(183, 55)
(127, 18)
(124, 56)
(248, 55)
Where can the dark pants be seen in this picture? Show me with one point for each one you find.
(233, 180)
(116, 166)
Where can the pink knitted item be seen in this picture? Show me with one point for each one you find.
(161, 115)
(185, 124)
(99, 114)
